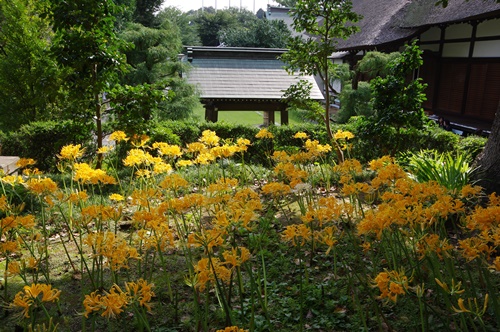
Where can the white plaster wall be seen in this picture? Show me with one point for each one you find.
(462, 30)
(488, 28)
(433, 34)
(487, 49)
(430, 47)
(456, 50)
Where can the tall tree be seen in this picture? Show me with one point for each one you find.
(145, 11)
(185, 22)
(322, 23)
(29, 77)
(211, 24)
(154, 62)
(261, 33)
(287, 3)
(86, 44)
(488, 161)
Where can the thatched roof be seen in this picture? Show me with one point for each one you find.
(389, 21)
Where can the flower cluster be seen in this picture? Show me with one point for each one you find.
(391, 284)
(111, 304)
(34, 296)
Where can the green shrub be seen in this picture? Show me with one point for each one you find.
(472, 146)
(42, 141)
(354, 102)
(440, 139)
(163, 133)
(187, 131)
(370, 145)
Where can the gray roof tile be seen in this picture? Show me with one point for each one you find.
(244, 78)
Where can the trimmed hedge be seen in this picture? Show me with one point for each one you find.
(42, 141)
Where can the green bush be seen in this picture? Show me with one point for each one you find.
(472, 146)
(163, 133)
(440, 139)
(368, 145)
(187, 131)
(354, 102)
(42, 141)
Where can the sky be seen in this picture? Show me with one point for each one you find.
(186, 5)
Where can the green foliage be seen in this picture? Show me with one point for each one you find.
(29, 76)
(286, 3)
(354, 102)
(451, 170)
(211, 24)
(87, 45)
(133, 106)
(42, 141)
(375, 64)
(324, 21)
(187, 131)
(145, 11)
(298, 98)
(440, 139)
(472, 146)
(88, 48)
(183, 22)
(163, 133)
(183, 99)
(260, 33)
(391, 142)
(398, 102)
(154, 66)
(153, 53)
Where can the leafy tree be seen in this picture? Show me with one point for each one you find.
(356, 95)
(397, 103)
(155, 66)
(87, 46)
(185, 22)
(396, 100)
(211, 24)
(124, 13)
(323, 22)
(262, 33)
(152, 54)
(29, 76)
(287, 3)
(145, 11)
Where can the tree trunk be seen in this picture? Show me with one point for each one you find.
(98, 120)
(489, 160)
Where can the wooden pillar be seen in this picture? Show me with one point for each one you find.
(271, 117)
(268, 118)
(265, 119)
(211, 114)
(284, 115)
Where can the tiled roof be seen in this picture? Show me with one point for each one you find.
(242, 78)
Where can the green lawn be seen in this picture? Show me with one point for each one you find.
(251, 118)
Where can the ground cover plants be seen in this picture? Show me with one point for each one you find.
(191, 238)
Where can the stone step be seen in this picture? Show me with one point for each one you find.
(8, 164)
